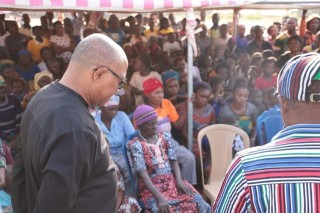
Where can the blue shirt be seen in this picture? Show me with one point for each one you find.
(116, 35)
(242, 44)
(121, 128)
(28, 75)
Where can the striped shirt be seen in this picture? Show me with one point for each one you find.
(282, 176)
(10, 117)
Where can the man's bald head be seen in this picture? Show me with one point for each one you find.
(98, 50)
(96, 70)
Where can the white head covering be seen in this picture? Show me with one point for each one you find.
(114, 101)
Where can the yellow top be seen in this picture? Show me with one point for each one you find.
(35, 46)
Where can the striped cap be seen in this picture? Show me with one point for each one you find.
(296, 75)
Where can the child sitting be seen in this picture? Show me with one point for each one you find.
(219, 97)
(171, 46)
(267, 80)
(256, 97)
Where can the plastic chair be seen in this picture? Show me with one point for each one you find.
(220, 137)
(269, 123)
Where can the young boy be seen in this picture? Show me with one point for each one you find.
(171, 46)
(35, 45)
(46, 54)
(268, 79)
(256, 97)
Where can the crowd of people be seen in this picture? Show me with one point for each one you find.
(234, 78)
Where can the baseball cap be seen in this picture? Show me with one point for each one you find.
(296, 76)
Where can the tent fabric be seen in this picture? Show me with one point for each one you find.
(119, 5)
(128, 6)
(284, 4)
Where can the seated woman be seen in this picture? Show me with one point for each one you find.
(171, 86)
(167, 116)
(8, 72)
(19, 88)
(203, 115)
(117, 127)
(170, 81)
(25, 67)
(42, 79)
(243, 111)
(161, 188)
(61, 43)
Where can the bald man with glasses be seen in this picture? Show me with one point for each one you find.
(63, 164)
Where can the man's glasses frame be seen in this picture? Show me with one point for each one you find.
(122, 82)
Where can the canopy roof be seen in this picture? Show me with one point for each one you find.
(284, 4)
(120, 5)
(153, 5)
(129, 6)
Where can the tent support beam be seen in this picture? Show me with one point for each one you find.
(191, 23)
(235, 22)
(190, 91)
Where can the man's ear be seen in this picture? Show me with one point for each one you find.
(284, 103)
(97, 75)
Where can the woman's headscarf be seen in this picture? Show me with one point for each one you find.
(114, 101)
(169, 76)
(40, 75)
(151, 85)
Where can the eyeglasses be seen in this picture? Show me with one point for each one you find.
(122, 82)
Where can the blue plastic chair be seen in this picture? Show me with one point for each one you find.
(269, 123)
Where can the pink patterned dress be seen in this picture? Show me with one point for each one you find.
(154, 158)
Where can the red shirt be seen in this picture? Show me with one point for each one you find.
(262, 83)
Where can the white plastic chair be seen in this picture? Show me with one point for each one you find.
(220, 137)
